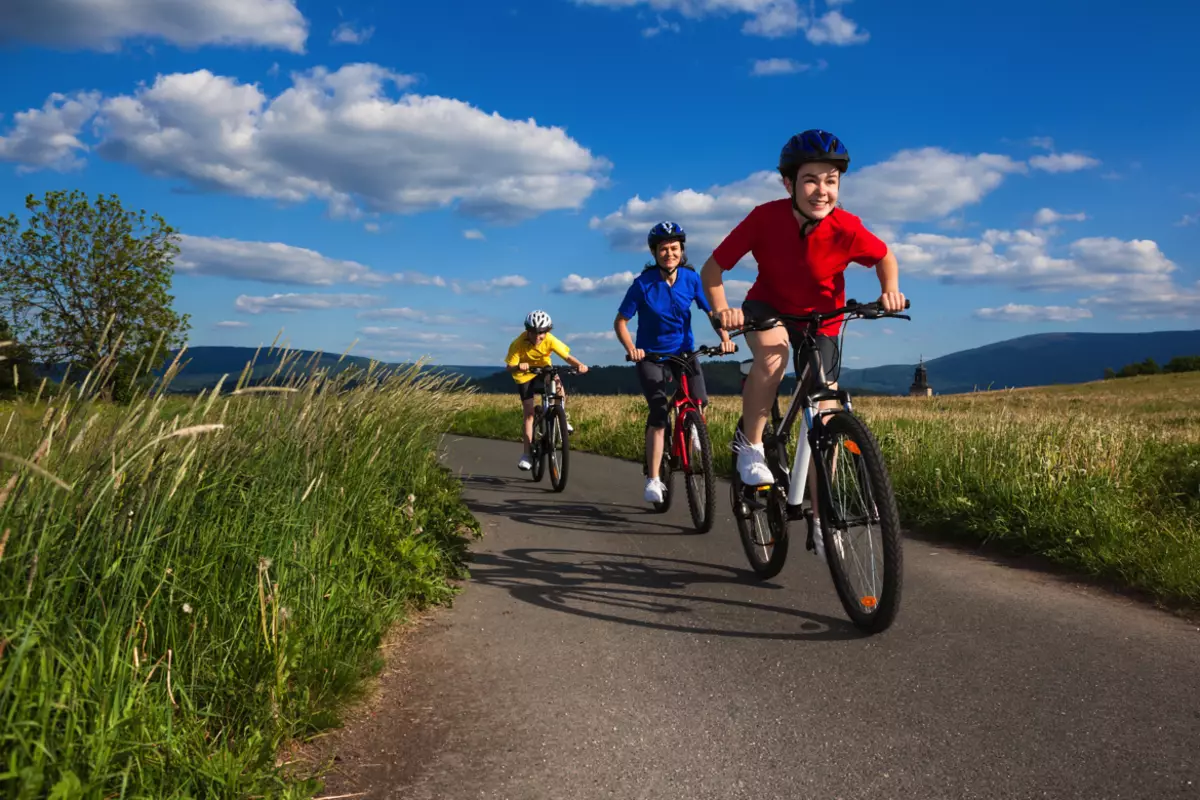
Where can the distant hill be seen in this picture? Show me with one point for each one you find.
(1035, 360)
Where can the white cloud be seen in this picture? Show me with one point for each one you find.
(340, 138)
(407, 335)
(661, 26)
(1048, 216)
(293, 302)
(778, 66)
(1188, 219)
(474, 234)
(833, 28)
(735, 290)
(768, 18)
(103, 24)
(609, 284)
(592, 336)
(231, 323)
(270, 262)
(411, 314)
(488, 286)
(1043, 142)
(1013, 312)
(371, 227)
(1063, 162)
(411, 278)
(924, 184)
(48, 138)
(346, 33)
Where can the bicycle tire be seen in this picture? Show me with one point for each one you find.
(773, 518)
(886, 602)
(703, 510)
(537, 446)
(558, 421)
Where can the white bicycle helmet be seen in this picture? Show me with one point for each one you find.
(538, 321)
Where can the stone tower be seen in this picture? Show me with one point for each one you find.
(920, 385)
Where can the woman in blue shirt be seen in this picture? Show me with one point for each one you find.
(662, 298)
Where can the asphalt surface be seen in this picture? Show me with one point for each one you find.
(603, 650)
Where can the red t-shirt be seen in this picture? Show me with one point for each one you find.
(800, 275)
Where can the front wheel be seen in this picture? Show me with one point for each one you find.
(861, 526)
(559, 449)
(537, 447)
(698, 476)
(762, 521)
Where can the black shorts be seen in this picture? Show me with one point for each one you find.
(528, 389)
(660, 381)
(827, 346)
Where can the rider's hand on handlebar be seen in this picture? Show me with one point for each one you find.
(523, 366)
(892, 302)
(636, 355)
(582, 368)
(729, 318)
(728, 346)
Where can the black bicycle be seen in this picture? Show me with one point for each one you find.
(686, 444)
(550, 429)
(763, 512)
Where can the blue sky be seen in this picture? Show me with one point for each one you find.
(419, 176)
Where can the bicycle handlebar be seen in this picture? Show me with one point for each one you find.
(852, 309)
(702, 350)
(553, 369)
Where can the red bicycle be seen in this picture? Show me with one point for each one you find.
(690, 451)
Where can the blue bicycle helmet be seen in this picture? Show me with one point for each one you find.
(809, 146)
(665, 232)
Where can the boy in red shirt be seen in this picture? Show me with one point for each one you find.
(803, 244)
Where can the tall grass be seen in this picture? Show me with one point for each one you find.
(185, 585)
(1103, 478)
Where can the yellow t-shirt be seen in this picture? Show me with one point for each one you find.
(521, 351)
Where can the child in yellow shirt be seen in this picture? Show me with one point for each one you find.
(532, 349)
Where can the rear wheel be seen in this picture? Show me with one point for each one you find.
(761, 516)
(698, 477)
(861, 529)
(559, 449)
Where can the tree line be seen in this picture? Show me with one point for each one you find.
(1151, 367)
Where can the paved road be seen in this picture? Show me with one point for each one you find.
(602, 650)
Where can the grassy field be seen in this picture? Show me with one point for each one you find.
(186, 585)
(1103, 478)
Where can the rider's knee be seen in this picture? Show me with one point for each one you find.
(773, 361)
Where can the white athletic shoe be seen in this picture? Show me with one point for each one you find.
(525, 463)
(654, 490)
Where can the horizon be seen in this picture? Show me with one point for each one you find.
(418, 180)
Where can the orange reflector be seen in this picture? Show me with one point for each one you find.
(869, 601)
(852, 447)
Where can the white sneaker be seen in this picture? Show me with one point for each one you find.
(570, 427)
(752, 465)
(525, 463)
(654, 490)
(819, 540)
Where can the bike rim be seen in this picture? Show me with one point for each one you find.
(857, 536)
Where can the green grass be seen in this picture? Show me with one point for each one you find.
(1102, 478)
(188, 585)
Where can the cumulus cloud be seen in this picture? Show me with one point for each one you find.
(269, 262)
(609, 284)
(771, 19)
(1013, 312)
(412, 278)
(48, 138)
(778, 66)
(1048, 216)
(293, 302)
(231, 323)
(590, 336)
(407, 335)
(474, 234)
(490, 285)
(346, 33)
(338, 137)
(104, 24)
(1063, 162)
(924, 184)
(735, 290)
(834, 28)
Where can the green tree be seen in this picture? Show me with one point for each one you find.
(16, 369)
(86, 280)
(1109, 373)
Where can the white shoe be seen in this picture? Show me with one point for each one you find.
(752, 465)
(570, 427)
(819, 541)
(654, 490)
(525, 463)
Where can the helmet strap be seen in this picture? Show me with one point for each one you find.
(810, 223)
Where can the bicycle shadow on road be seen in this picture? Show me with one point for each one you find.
(558, 512)
(643, 591)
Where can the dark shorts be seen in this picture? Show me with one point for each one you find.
(529, 389)
(827, 346)
(660, 381)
